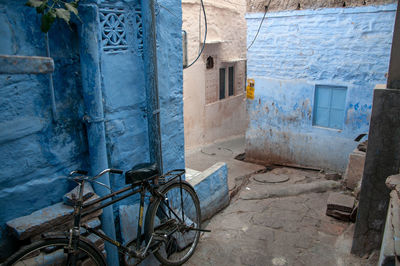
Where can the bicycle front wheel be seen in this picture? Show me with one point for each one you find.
(173, 224)
(55, 252)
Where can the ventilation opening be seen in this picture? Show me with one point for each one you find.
(210, 62)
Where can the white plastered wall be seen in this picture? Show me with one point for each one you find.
(207, 118)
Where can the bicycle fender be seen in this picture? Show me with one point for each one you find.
(59, 235)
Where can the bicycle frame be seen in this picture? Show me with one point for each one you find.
(82, 210)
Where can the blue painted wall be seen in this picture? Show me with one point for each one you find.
(124, 94)
(34, 151)
(295, 51)
(170, 82)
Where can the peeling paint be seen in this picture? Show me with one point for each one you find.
(282, 130)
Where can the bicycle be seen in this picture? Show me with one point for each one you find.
(171, 230)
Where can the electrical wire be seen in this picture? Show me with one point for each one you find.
(259, 27)
(205, 36)
(200, 9)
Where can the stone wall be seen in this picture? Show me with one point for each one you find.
(259, 5)
(295, 51)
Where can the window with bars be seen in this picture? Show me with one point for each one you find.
(222, 83)
(231, 81)
(226, 82)
(329, 106)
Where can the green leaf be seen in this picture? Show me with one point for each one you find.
(34, 3)
(63, 14)
(48, 20)
(72, 8)
(40, 9)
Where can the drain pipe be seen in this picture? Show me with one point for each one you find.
(94, 118)
(150, 51)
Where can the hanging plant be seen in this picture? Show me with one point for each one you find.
(53, 9)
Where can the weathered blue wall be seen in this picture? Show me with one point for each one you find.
(124, 91)
(170, 89)
(34, 151)
(297, 50)
(170, 82)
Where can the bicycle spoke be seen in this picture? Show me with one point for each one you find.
(178, 214)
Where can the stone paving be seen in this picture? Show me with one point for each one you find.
(225, 151)
(277, 230)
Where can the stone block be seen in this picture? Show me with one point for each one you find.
(57, 217)
(190, 173)
(211, 187)
(340, 206)
(393, 181)
(340, 202)
(355, 169)
(72, 196)
(37, 222)
(344, 216)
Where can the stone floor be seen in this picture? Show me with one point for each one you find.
(275, 229)
(225, 151)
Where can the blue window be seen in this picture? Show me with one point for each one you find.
(329, 106)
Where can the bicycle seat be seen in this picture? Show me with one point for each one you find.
(141, 172)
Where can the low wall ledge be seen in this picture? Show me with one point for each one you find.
(18, 64)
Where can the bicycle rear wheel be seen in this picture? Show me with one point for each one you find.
(55, 252)
(172, 222)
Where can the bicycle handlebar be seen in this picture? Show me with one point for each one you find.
(80, 172)
(116, 171)
(109, 170)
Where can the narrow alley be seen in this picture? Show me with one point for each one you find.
(131, 128)
(275, 229)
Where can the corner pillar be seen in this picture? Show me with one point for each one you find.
(93, 99)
